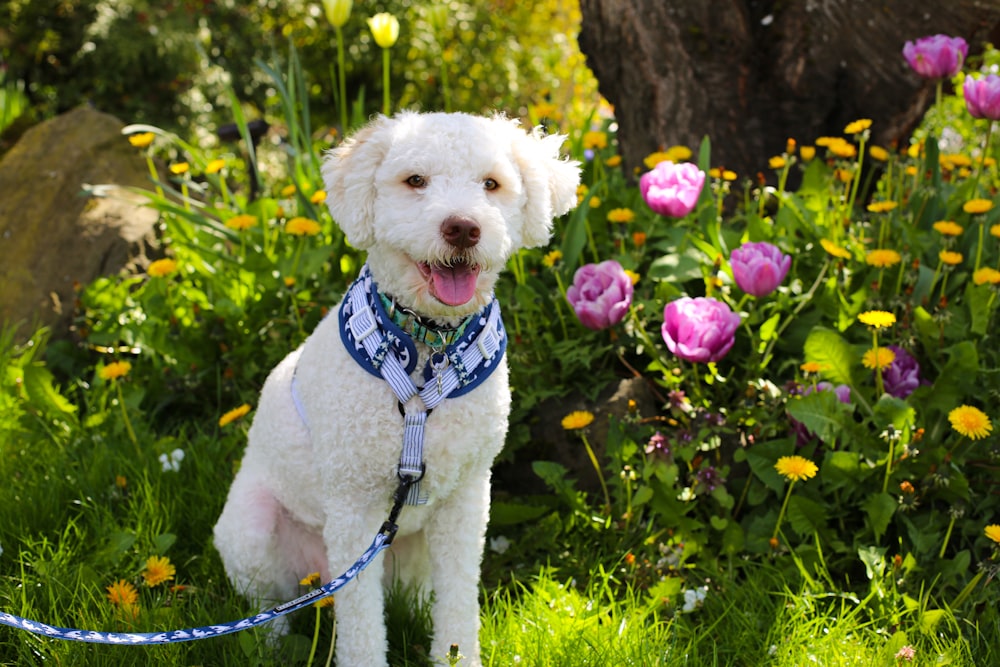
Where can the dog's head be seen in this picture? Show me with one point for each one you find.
(441, 200)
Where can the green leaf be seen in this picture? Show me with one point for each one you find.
(163, 542)
(832, 352)
(880, 507)
(894, 411)
(509, 514)
(762, 458)
(575, 238)
(805, 516)
(840, 469)
(768, 328)
(822, 413)
(40, 388)
(953, 383)
(874, 560)
(979, 298)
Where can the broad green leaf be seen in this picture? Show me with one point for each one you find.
(805, 516)
(895, 411)
(874, 560)
(880, 507)
(768, 328)
(763, 456)
(979, 298)
(840, 468)
(832, 352)
(952, 383)
(822, 413)
(40, 388)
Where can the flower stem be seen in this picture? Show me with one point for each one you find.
(315, 639)
(878, 367)
(600, 473)
(128, 422)
(386, 106)
(341, 81)
(784, 506)
(947, 536)
(888, 463)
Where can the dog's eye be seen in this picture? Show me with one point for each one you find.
(416, 181)
(490, 184)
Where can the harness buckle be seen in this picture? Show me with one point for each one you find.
(409, 476)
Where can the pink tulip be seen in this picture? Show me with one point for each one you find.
(982, 96)
(672, 189)
(600, 294)
(936, 56)
(700, 329)
(758, 268)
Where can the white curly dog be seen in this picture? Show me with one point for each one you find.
(440, 202)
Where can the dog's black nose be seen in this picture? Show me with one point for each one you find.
(460, 232)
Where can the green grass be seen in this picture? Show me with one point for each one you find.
(82, 508)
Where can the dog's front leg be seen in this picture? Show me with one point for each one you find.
(455, 541)
(359, 606)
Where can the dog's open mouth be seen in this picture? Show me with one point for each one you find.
(452, 284)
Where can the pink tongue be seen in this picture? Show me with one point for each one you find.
(454, 285)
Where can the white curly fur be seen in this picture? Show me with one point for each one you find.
(310, 498)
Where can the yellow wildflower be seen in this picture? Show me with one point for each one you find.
(879, 319)
(595, 139)
(986, 275)
(882, 206)
(310, 580)
(241, 222)
(114, 370)
(948, 227)
(995, 230)
(950, 257)
(883, 258)
(288, 190)
(638, 238)
(993, 532)
(632, 275)
(234, 414)
(302, 227)
(318, 197)
(795, 468)
(622, 215)
(858, 126)
(158, 570)
(179, 168)
(595, 202)
(878, 153)
(577, 420)
(551, 258)
(289, 281)
(974, 206)
(807, 152)
(162, 267)
(724, 174)
(678, 153)
(970, 422)
(122, 594)
(656, 158)
(215, 166)
(777, 162)
(879, 357)
(142, 139)
(833, 249)
(613, 161)
(841, 147)
(811, 367)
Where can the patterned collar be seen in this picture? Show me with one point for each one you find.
(420, 330)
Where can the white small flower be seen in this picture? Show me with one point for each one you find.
(499, 544)
(172, 462)
(693, 598)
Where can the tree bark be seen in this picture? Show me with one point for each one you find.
(750, 74)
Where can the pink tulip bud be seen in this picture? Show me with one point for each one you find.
(700, 329)
(936, 56)
(758, 268)
(672, 189)
(600, 294)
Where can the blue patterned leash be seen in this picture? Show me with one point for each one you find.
(382, 541)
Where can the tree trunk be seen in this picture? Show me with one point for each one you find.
(750, 74)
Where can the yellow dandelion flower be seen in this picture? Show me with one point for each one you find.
(724, 174)
(878, 153)
(215, 166)
(948, 227)
(234, 414)
(613, 161)
(995, 230)
(158, 570)
(289, 281)
(632, 275)
(879, 357)
(577, 420)
(639, 238)
(858, 126)
(121, 481)
(842, 148)
(807, 153)
(678, 153)
(811, 367)
(324, 603)
(974, 206)
(595, 202)
(115, 370)
(544, 110)
(986, 275)
(911, 170)
(795, 468)
(318, 197)
(621, 215)
(179, 168)
(970, 422)
(950, 257)
(826, 141)
(656, 158)
(879, 319)
(302, 227)
(993, 532)
(142, 139)
(595, 139)
(161, 268)
(843, 175)
(310, 580)
(955, 160)
(883, 258)
(122, 594)
(241, 222)
(288, 190)
(551, 258)
(833, 249)
(882, 206)
(777, 162)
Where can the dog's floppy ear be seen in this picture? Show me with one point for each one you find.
(549, 181)
(349, 176)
